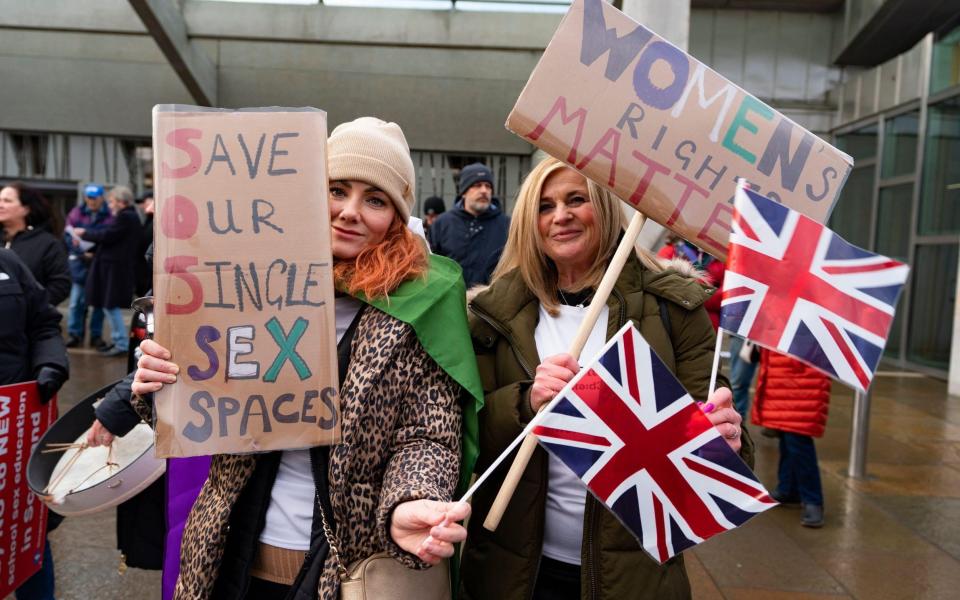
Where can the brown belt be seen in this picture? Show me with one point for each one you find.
(278, 565)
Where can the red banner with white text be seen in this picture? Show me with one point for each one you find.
(23, 518)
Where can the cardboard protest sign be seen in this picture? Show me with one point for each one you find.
(243, 281)
(665, 132)
(23, 518)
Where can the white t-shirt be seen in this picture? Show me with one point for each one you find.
(290, 514)
(566, 494)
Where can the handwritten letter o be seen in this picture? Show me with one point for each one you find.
(647, 91)
(179, 218)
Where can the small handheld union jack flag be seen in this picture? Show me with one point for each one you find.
(627, 428)
(796, 287)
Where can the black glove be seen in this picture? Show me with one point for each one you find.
(49, 382)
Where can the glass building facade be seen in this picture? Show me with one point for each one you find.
(902, 198)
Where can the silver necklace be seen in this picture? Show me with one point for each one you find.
(566, 302)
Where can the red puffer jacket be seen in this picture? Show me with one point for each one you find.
(790, 396)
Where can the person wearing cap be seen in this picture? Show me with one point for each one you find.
(409, 384)
(113, 271)
(433, 207)
(93, 215)
(474, 232)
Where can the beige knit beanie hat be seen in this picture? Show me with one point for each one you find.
(375, 152)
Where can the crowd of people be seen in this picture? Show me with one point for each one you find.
(286, 524)
(42, 263)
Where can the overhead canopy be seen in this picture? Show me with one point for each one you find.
(896, 27)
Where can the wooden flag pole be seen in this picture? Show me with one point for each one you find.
(576, 347)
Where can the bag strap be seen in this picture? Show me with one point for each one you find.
(333, 542)
(344, 349)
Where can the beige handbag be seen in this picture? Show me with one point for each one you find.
(381, 577)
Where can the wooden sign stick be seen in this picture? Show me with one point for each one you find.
(576, 347)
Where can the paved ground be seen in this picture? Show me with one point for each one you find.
(893, 535)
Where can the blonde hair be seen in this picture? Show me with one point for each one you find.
(524, 249)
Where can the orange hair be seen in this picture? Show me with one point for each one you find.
(380, 269)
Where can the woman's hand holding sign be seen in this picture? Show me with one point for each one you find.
(231, 415)
(153, 369)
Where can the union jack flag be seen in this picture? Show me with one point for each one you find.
(796, 287)
(627, 428)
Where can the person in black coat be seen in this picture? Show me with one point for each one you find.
(31, 347)
(475, 231)
(112, 277)
(32, 230)
(141, 520)
(145, 269)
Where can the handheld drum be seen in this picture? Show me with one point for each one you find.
(73, 479)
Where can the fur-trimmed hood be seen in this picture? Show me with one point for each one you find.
(682, 267)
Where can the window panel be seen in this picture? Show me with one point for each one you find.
(851, 215)
(900, 144)
(940, 197)
(893, 221)
(860, 144)
(945, 71)
(933, 296)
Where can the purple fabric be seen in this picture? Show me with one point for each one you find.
(185, 477)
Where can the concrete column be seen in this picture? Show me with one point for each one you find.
(671, 21)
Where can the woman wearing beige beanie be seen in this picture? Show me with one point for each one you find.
(409, 397)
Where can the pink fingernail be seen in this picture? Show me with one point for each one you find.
(700, 403)
(708, 407)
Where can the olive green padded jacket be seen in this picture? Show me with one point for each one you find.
(502, 565)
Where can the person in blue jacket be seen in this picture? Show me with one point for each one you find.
(92, 214)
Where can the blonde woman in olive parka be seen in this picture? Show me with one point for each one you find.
(556, 541)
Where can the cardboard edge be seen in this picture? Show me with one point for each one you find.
(189, 108)
(576, 6)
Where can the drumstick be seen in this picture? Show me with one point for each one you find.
(62, 449)
(63, 472)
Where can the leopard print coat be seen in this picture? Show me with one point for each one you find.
(401, 441)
